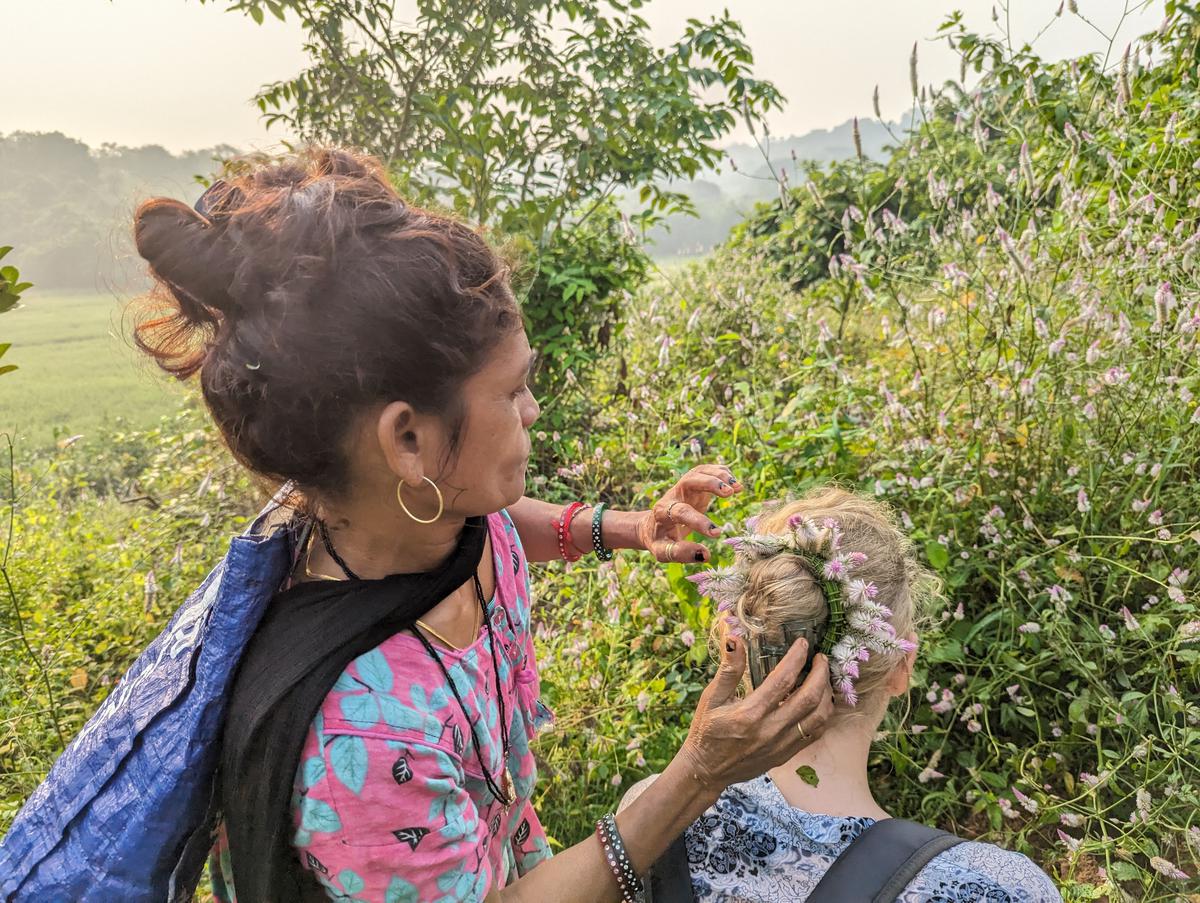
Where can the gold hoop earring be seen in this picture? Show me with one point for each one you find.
(419, 520)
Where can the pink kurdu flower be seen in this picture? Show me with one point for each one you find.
(861, 591)
(1071, 843)
(1167, 869)
(1030, 627)
(835, 568)
(1155, 517)
(845, 686)
(1027, 804)
(1130, 621)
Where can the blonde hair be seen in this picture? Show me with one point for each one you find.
(781, 588)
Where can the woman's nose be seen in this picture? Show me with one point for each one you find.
(533, 412)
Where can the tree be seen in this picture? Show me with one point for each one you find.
(528, 117)
(11, 288)
(518, 114)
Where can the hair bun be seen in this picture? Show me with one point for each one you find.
(187, 252)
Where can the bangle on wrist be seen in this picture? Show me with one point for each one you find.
(562, 529)
(613, 849)
(571, 536)
(602, 552)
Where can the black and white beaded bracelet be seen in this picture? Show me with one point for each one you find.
(604, 554)
(618, 859)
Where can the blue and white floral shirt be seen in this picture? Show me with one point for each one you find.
(753, 845)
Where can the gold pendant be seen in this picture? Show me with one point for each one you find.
(507, 786)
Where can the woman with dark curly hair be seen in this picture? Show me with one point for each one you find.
(370, 356)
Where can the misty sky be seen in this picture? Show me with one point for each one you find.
(175, 73)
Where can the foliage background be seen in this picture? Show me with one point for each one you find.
(994, 329)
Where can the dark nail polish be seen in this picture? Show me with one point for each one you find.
(729, 645)
(722, 486)
(711, 526)
(733, 479)
(699, 556)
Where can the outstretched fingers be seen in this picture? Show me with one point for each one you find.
(678, 513)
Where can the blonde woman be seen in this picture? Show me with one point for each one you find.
(835, 567)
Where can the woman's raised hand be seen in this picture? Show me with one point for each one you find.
(681, 511)
(734, 739)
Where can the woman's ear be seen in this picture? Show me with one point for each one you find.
(401, 440)
(901, 676)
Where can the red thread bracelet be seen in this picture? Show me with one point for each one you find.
(562, 527)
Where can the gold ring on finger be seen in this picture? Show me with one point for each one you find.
(671, 550)
(670, 507)
(800, 728)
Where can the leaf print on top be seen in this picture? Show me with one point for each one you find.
(418, 823)
(402, 771)
(314, 771)
(351, 881)
(374, 671)
(522, 834)
(411, 836)
(362, 709)
(318, 815)
(400, 891)
(348, 754)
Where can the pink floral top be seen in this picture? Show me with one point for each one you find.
(390, 803)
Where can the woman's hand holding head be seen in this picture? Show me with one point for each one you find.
(839, 563)
(734, 738)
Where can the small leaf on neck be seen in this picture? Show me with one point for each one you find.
(808, 775)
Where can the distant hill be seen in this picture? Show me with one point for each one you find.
(725, 196)
(66, 208)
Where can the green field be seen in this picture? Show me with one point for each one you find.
(78, 371)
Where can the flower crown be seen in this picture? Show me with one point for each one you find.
(857, 625)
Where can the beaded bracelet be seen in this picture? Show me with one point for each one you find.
(603, 553)
(562, 529)
(618, 860)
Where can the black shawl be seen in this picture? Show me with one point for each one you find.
(307, 637)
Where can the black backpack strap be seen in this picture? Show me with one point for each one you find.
(879, 863)
(670, 879)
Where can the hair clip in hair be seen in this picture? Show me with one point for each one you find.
(765, 657)
(217, 199)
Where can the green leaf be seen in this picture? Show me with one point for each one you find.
(1126, 871)
(808, 775)
(937, 554)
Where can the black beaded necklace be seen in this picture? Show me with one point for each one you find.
(502, 796)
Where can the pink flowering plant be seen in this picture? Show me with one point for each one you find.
(995, 329)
